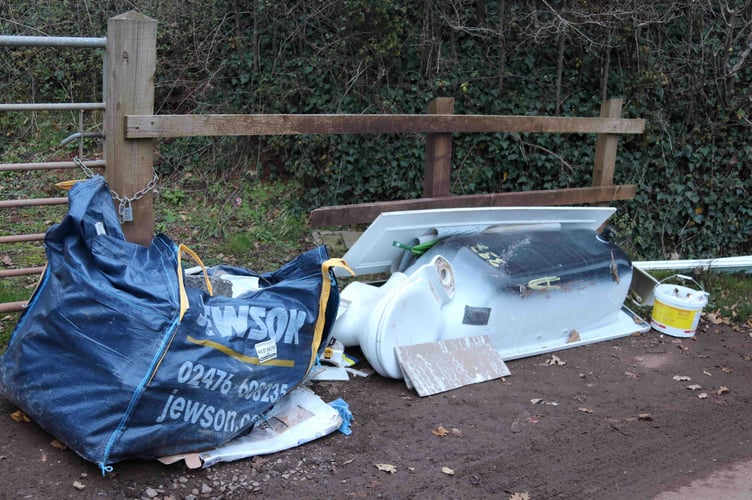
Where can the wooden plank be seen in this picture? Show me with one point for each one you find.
(367, 212)
(129, 81)
(160, 126)
(438, 156)
(441, 366)
(605, 147)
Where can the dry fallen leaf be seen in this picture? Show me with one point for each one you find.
(520, 496)
(715, 318)
(456, 432)
(78, 485)
(440, 431)
(645, 416)
(57, 444)
(574, 336)
(391, 469)
(7, 260)
(694, 387)
(535, 401)
(19, 416)
(447, 471)
(638, 321)
(555, 360)
(585, 410)
(681, 378)
(723, 390)
(702, 395)
(726, 369)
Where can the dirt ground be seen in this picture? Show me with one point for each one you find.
(611, 422)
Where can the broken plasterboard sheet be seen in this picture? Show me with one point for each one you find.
(299, 417)
(435, 367)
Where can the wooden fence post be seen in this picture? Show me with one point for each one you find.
(436, 177)
(605, 147)
(130, 66)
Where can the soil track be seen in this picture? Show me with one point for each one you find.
(611, 423)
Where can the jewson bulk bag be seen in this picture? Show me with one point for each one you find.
(118, 359)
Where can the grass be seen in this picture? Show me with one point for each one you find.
(248, 222)
(730, 294)
(15, 289)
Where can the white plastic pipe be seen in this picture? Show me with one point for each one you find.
(741, 263)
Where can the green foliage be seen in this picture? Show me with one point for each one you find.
(15, 289)
(730, 294)
(232, 222)
(237, 244)
(691, 165)
(683, 67)
(334, 170)
(173, 196)
(7, 323)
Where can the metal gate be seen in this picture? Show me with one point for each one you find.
(81, 107)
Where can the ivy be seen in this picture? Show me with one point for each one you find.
(685, 68)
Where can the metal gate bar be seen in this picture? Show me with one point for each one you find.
(42, 41)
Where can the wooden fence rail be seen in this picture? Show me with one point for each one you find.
(438, 125)
(161, 126)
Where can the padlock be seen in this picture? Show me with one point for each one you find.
(125, 211)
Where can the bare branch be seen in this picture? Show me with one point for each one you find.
(743, 56)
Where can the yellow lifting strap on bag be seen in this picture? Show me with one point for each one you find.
(183, 295)
(326, 266)
(66, 185)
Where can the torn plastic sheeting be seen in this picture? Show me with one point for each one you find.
(344, 411)
(298, 418)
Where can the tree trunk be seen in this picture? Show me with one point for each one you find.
(502, 45)
(559, 72)
(605, 70)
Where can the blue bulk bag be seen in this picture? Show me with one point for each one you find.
(116, 358)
